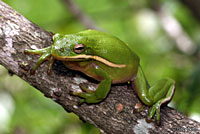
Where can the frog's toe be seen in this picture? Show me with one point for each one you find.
(73, 93)
(49, 72)
(26, 51)
(158, 122)
(155, 110)
(81, 101)
(85, 89)
(148, 120)
(152, 111)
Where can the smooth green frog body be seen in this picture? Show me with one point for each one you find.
(109, 60)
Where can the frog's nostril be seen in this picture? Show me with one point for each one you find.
(61, 49)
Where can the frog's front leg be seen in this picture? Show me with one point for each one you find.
(38, 51)
(45, 55)
(154, 96)
(101, 91)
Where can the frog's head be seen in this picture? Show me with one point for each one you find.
(80, 47)
(68, 47)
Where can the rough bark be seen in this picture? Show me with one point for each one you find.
(114, 115)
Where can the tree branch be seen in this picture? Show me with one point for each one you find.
(115, 115)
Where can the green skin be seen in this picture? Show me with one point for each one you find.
(109, 60)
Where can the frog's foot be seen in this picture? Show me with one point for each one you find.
(85, 89)
(45, 55)
(81, 100)
(90, 96)
(169, 86)
(85, 97)
(155, 109)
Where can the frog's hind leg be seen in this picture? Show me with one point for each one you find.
(154, 96)
(162, 92)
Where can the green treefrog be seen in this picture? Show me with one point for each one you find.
(108, 60)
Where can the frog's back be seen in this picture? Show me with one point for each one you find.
(114, 50)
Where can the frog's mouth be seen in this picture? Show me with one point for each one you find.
(83, 56)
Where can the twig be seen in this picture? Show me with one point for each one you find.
(174, 29)
(80, 15)
(193, 6)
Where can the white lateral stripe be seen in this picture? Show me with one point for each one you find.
(95, 58)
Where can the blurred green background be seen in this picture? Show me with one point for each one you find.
(164, 33)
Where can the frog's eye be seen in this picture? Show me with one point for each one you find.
(79, 48)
